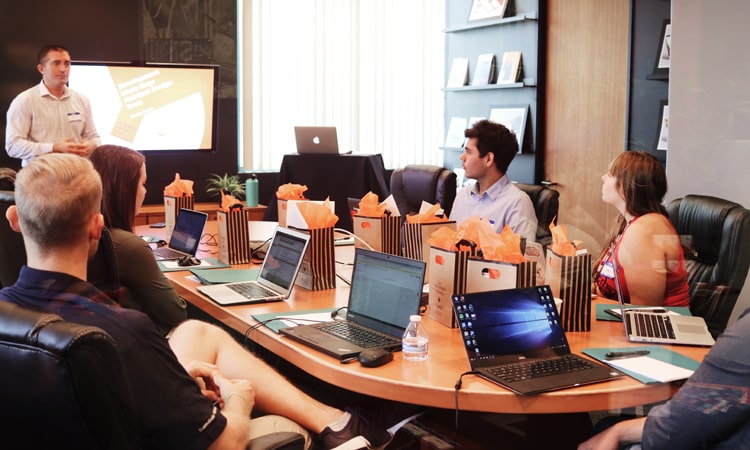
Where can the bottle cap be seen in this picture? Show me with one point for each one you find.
(415, 318)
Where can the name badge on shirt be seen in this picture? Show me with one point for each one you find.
(607, 270)
(74, 117)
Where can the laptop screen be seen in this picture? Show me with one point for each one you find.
(188, 228)
(385, 291)
(283, 258)
(510, 322)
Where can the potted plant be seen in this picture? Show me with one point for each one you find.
(229, 184)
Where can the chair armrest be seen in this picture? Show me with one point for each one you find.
(280, 440)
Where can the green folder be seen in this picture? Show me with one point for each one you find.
(273, 322)
(655, 352)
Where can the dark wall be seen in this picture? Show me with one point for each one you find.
(116, 30)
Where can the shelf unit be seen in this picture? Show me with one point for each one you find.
(521, 29)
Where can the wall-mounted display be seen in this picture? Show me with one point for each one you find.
(513, 117)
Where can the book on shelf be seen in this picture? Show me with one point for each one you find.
(486, 9)
(455, 137)
(484, 71)
(510, 68)
(459, 74)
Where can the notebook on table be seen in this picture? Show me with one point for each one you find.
(316, 140)
(660, 326)
(275, 278)
(514, 337)
(188, 229)
(385, 291)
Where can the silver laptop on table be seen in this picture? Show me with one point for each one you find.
(642, 325)
(514, 337)
(316, 140)
(385, 291)
(277, 273)
(188, 229)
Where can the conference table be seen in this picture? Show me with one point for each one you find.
(429, 383)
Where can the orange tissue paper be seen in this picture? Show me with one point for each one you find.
(560, 242)
(504, 247)
(179, 187)
(291, 191)
(428, 216)
(317, 215)
(228, 201)
(369, 206)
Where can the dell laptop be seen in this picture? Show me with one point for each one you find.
(660, 326)
(316, 140)
(276, 277)
(514, 337)
(385, 291)
(186, 235)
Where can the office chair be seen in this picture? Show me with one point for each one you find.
(415, 183)
(716, 240)
(12, 252)
(546, 203)
(64, 387)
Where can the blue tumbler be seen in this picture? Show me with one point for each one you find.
(251, 190)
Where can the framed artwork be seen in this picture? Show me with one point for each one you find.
(513, 117)
(661, 143)
(664, 52)
(487, 9)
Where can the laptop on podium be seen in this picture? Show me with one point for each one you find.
(316, 140)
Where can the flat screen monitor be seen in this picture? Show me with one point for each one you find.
(151, 107)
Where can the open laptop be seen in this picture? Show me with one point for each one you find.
(316, 140)
(385, 291)
(514, 337)
(276, 277)
(660, 326)
(188, 229)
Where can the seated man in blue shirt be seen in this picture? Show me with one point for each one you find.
(710, 410)
(196, 389)
(487, 154)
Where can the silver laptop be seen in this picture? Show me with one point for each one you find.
(660, 326)
(188, 229)
(515, 338)
(385, 291)
(276, 277)
(316, 140)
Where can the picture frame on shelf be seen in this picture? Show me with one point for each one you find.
(487, 9)
(513, 117)
(663, 139)
(664, 52)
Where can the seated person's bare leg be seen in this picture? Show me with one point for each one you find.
(274, 394)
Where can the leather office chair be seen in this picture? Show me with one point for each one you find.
(546, 203)
(12, 252)
(64, 387)
(415, 183)
(718, 257)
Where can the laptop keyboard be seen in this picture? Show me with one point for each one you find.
(357, 335)
(252, 290)
(653, 325)
(526, 370)
(167, 253)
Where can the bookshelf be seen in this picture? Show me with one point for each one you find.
(520, 29)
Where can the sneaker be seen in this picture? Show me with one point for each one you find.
(358, 433)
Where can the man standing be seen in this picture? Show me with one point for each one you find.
(487, 154)
(50, 117)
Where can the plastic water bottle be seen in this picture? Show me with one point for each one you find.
(415, 341)
(251, 190)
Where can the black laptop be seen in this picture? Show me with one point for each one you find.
(514, 337)
(385, 291)
(186, 235)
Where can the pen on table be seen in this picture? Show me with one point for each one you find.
(617, 355)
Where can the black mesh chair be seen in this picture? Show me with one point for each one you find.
(716, 239)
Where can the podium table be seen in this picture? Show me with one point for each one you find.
(336, 176)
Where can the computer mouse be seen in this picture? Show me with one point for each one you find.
(374, 357)
(188, 261)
